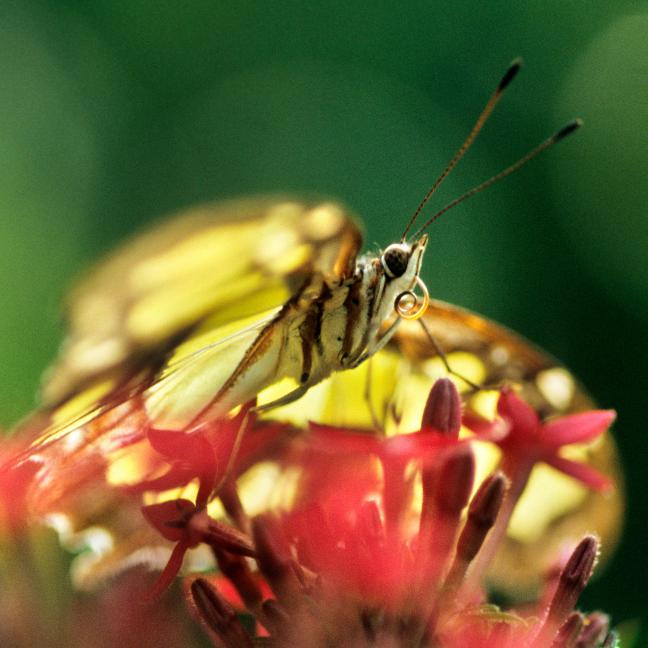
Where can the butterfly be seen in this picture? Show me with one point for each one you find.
(270, 299)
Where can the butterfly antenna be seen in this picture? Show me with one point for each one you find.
(554, 139)
(513, 69)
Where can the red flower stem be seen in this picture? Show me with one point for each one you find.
(482, 513)
(233, 456)
(429, 477)
(274, 617)
(519, 478)
(549, 586)
(204, 491)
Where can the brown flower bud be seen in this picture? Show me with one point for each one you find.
(443, 409)
(569, 632)
(218, 615)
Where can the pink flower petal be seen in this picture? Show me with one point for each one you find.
(580, 471)
(329, 439)
(165, 516)
(485, 430)
(577, 428)
(417, 445)
(191, 449)
(169, 443)
(169, 573)
(522, 417)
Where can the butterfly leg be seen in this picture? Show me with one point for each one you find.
(286, 399)
(233, 456)
(444, 359)
(378, 426)
(374, 348)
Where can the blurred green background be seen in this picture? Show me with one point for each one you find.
(115, 112)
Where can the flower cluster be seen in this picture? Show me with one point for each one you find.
(388, 540)
(381, 541)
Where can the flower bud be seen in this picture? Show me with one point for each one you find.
(218, 615)
(443, 409)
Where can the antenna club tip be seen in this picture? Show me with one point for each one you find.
(510, 74)
(568, 129)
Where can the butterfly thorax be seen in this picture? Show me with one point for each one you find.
(345, 321)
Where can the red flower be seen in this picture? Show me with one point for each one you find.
(353, 562)
(188, 526)
(530, 440)
(215, 452)
(350, 451)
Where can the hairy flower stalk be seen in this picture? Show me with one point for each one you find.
(392, 552)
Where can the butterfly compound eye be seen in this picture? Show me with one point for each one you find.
(395, 259)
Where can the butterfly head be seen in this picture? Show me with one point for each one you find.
(403, 259)
(401, 265)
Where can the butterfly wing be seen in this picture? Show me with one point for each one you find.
(211, 261)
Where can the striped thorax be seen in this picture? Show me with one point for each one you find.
(348, 321)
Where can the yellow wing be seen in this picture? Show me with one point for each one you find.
(214, 260)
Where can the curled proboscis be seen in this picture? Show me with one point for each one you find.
(409, 305)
